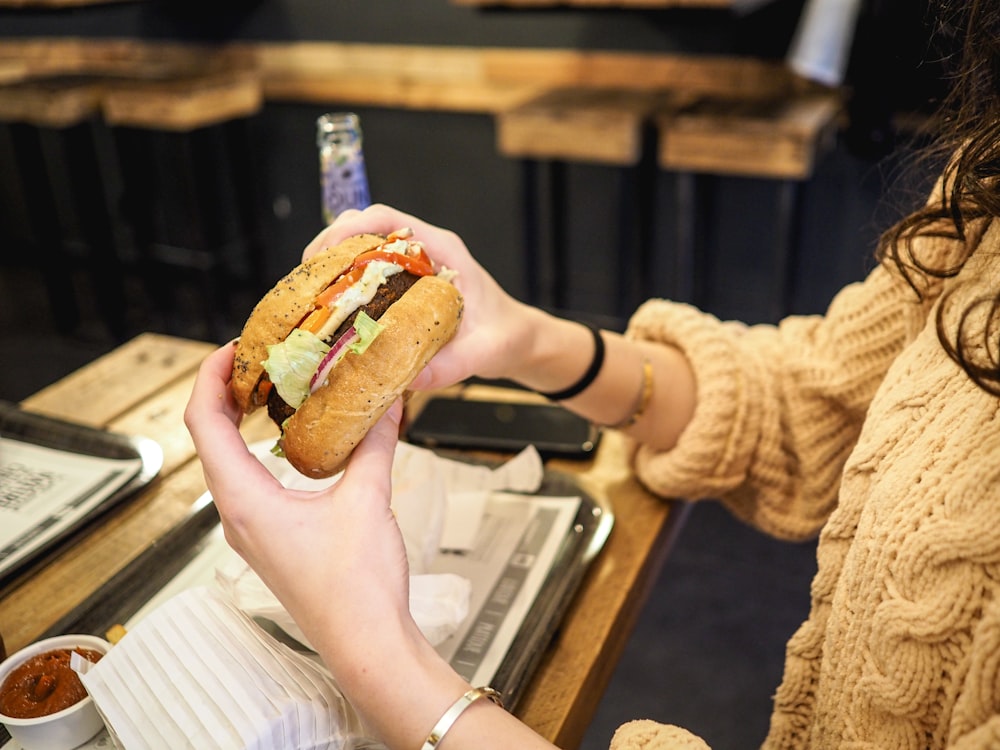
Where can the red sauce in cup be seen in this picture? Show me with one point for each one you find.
(44, 684)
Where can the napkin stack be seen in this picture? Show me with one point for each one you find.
(199, 673)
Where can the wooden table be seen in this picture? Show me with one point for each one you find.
(141, 388)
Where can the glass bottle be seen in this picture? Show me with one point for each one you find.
(343, 177)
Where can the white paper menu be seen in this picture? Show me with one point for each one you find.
(46, 491)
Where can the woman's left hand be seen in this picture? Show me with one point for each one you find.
(336, 560)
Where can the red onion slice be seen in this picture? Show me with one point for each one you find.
(332, 357)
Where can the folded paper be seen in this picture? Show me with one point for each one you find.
(430, 494)
(198, 672)
(439, 602)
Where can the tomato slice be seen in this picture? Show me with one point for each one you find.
(423, 257)
(418, 266)
(329, 295)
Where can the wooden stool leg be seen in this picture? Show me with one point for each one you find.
(93, 200)
(693, 202)
(192, 207)
(560, 279)
(637, 198)
(138, 207)
(530, 231)
(785, 262)
(240, 140)
(43, 215)
(207, 164)
(546, 264)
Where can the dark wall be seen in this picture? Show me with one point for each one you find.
(435, 22)
(445, 167)
(442, 167)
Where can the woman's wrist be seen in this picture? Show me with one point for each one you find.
(395, 680)
(401, 689)
(554, 353)
(635, 379)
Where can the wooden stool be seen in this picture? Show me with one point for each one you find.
(52, 125)
(779, 139)
(185, 156)
(596, 126)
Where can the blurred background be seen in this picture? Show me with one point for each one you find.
(159, 170)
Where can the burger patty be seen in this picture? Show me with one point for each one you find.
(387, 293)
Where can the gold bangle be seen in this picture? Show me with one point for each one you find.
(645, 396)
(456, 709)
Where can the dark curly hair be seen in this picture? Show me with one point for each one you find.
(966, 137)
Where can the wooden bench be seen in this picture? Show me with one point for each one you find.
(52, 124)
(184, 142)
(447, 78)
(52, 103)
(610, 127)
(779, 139)
(183, 103)
(688, 134)
(602, 126)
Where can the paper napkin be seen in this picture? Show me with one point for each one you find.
(199, 673)
(439, 503)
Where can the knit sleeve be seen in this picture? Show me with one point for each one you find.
(985, 736)
(649, 735)
(779, 407)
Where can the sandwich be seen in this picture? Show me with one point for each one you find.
(330, 347)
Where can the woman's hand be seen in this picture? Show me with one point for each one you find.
(502, 338)
(494, 326)
(334, 558)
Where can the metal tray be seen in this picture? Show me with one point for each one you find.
(125, 594)
(50, 432)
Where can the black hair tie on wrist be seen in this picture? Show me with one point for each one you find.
(588, 377)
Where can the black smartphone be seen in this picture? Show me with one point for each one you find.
(473, 424)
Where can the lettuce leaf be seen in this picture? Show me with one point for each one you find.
(367, 329)
(291, 365)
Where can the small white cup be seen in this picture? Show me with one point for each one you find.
(64, 729)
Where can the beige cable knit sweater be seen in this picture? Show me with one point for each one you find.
(856, 425)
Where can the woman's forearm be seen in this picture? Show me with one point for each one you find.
(557, 352)
(401, 687)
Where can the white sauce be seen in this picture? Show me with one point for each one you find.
(358, 294)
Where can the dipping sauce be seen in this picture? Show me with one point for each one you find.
(44, 684)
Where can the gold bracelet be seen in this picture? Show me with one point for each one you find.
(645, 396)
(456, 709)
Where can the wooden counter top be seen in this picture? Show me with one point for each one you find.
(142, 387)
(452, 78)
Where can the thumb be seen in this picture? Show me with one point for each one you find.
(372, 459)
